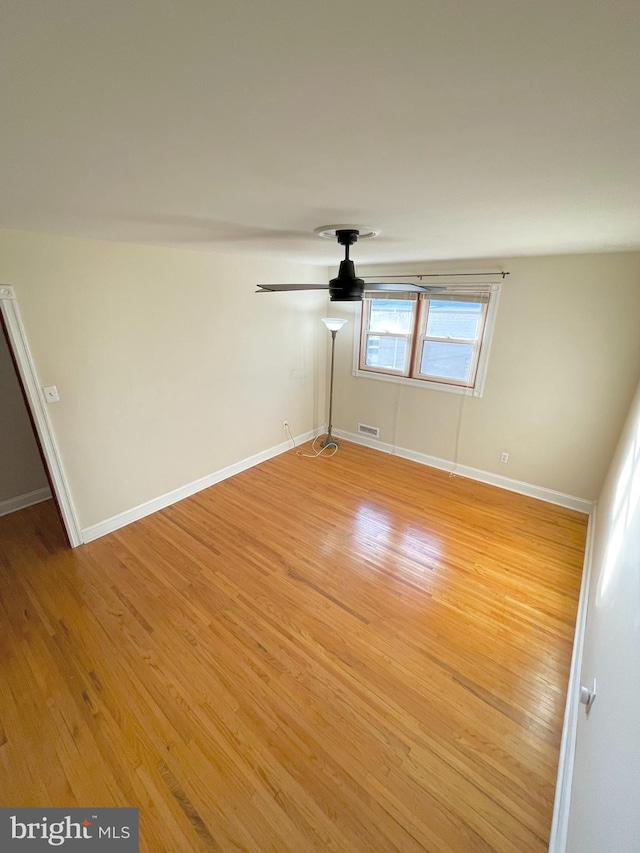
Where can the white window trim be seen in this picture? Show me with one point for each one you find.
(449, 388)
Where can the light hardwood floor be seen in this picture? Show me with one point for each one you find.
(348, 654)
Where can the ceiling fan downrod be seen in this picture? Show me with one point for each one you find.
(346, 286)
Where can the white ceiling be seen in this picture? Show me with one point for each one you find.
(460, 128)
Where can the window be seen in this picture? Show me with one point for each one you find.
(438, 339)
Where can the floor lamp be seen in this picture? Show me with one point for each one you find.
(334, 324)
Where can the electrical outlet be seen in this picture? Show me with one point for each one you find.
(285, 425)
(504, 456)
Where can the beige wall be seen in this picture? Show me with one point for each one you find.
(169, 366)
(564, 363)
(21, 469)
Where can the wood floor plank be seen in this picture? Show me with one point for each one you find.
(355, 653)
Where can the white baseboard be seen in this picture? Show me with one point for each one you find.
(23, 501)
(95, 531)
(564, 779)
(528, 489)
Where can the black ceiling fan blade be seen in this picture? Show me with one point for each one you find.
(269, 288)
(398, 286)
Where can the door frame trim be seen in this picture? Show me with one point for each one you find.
(35, 400)
(564, 780)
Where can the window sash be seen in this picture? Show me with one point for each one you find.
(392, 371)
(368, 333)
(475, 343)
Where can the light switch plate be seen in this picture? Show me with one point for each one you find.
(51, 393)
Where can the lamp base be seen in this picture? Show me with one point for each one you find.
(329, 441)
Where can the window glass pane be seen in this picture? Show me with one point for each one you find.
(389, 353)
(391, 315)
(448, 361)
(448, 319)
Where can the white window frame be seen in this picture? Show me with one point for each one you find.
(475, 389)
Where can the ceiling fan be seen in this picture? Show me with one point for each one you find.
(347, 287)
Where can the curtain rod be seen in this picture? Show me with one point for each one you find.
(422, 275)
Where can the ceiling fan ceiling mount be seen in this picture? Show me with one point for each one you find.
(347, 236)
(340, 232)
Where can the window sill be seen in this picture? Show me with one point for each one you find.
(419, 383)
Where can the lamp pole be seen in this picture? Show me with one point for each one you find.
(333, 324)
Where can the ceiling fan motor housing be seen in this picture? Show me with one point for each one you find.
(346, 287)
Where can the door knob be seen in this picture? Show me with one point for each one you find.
(588, 696)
